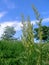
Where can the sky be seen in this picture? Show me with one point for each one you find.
(11, 10)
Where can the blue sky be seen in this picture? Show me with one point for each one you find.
(11, 10)
(14, 9)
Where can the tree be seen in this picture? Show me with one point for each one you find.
(8, 33)
(45, 33)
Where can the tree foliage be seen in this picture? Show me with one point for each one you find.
(45, 33)
(8, 33)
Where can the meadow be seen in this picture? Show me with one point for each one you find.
(15, 53)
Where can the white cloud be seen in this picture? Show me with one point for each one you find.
(46, 20)
(17, 24)
(34, 22)
(2, 14)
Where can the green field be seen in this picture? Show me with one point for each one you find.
(15, 53)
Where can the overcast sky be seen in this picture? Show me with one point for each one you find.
(11, 10)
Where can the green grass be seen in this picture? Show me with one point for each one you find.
(14, 53)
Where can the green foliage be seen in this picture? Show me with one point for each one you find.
(10, 52)
(45, 34)
(8, 33)
(14, 53)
